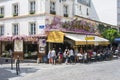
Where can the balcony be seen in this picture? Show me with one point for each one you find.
(15, 14)
(1, 15)
(52, 12)
(32, 33)
(65, 15)
(32, 12)
(15, 34)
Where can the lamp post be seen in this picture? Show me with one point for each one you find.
(11, 53)
(86, 42)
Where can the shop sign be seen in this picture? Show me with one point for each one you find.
(41, 27)
(90, 38)
(56, 37)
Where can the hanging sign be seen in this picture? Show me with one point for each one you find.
(90, 38)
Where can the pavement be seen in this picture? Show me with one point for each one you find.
(105, 70)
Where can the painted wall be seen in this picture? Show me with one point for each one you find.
(23, 25)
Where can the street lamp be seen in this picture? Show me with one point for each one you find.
(10, 52)
(86, 42)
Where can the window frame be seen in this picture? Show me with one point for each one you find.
(32, 28)
(52, 7)
(2, 11)
(65, 10)
(2, 30)
(15, 11)
(87, 12)
(15, 29)
(32, 6)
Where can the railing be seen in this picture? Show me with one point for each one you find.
(1, 15)
(52, 12)
(15, 14)
(32, 12)
(65, 15)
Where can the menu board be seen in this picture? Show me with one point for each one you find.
(18, 45)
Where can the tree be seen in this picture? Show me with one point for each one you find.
(111, 34)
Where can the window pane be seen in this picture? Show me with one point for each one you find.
(1, 30)
(32, 28)
(32, 6)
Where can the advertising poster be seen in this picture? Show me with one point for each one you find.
(42, 44)
(18, 45)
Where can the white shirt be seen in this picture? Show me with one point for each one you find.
(53, 53)
(71, 52)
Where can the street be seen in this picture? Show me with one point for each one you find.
(105, 70)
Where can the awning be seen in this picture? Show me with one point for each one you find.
(87, 39)
(117, 39)
(55, 37)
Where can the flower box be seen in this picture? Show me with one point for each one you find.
(1, 16)
(32, 12)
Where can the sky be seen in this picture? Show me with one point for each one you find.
(106, 10)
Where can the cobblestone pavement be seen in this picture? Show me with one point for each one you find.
(105, 70)
(6, 73)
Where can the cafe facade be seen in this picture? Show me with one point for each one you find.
(52, 32)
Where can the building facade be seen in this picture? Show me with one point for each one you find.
(118, 13)
(28, 18)
(14, 14)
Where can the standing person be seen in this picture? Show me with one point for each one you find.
(94, 56)
(53, 55)
(80, 57)
(71, 53)
(60, 55)
(75, 56)
(64, 55)
(10, 52)
(67, 56)
(85, 57)
(49, 57)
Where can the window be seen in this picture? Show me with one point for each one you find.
(118, 3)
(65, 8)
(85, 2)
(15, 10)
(59, 0)
(119, 29)
(32, 7)
(80, 8)
(1, 30)
(32, 29)
(52, 8)
(118, 17)
(1, 12)
(87, 12)
(15, 29)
